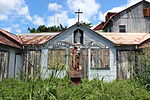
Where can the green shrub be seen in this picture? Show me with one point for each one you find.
(142, 68)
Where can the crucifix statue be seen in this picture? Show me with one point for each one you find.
(78, 12)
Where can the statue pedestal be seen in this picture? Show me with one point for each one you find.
(76, 76)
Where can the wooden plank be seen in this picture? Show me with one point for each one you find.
(125, 64)
(4, 60)
(32, 61)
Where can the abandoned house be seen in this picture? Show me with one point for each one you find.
(78, 52)
(134, 19)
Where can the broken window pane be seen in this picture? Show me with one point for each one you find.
(57, 59)
(100, 58)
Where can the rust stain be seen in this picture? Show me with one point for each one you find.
(126, 38)
(11, 35)
(35, 39)
(10, 39)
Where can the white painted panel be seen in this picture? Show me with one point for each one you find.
(44, 58)
(108, 74)
(11, 68)
(18, 65)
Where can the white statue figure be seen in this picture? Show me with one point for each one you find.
(77, 37)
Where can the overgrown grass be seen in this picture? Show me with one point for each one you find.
(61, 89)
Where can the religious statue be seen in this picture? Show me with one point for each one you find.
(78, 37)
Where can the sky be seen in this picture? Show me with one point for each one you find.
(17, 15)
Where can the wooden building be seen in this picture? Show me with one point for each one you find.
(10, 55)
(134, 19)
(77, 52)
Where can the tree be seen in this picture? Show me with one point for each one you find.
(89, 25)
(43, 28)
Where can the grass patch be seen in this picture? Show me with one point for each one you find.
(61, 89)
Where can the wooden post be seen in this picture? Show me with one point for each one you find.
(11, 71)
(89, 62)
(44, 63)
(67, 59)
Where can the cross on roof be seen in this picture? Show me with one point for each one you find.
(78, 12)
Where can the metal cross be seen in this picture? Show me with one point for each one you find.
(78, 12)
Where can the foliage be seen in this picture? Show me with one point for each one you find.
(89, 25)
(43, 28)
(142, 70)
(61, 89)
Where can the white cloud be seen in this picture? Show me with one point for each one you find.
(88, 7)
(54, 6)
(3, 17)
(18, 31)
(28, 17)
(101, 16)
(15, 25)
(131, 2)
(58, 18)
(14, 8)
(23, 10)
(9, 29)
(37, 20)
(71, 21)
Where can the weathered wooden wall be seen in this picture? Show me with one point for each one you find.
(4, 64)
(132, 18)
(126, 63)
(31, 62)
(12, 57)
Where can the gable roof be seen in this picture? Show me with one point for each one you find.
(10, 39)
(88, 29)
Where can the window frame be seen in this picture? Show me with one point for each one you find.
(122, 28)
(98, 58)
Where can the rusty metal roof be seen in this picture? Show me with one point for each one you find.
(9, 39)
(35, 39)
(126, 38)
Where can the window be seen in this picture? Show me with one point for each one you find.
(146, 12)
(122, 28)
(100, 58)
(57, 59)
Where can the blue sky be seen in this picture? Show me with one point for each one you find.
(17, 15)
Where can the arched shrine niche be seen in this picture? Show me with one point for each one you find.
(78, 36)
